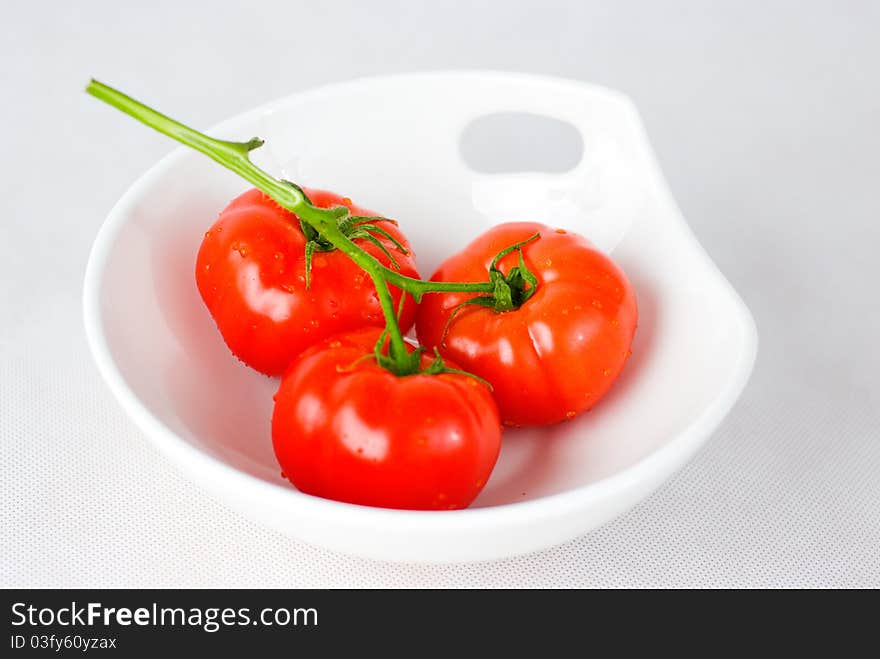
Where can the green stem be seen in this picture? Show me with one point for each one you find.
(235, 157)
(232, 155)
(397, 348)
(417, 287)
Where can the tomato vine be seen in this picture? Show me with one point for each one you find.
(336, 228)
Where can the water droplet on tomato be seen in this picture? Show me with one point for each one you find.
(615, 323)
(207, 267)
(548, 262)
(597, 304)
(606, 372)
(570, 414)
(335, 344)
(561, 231)
(278, 256)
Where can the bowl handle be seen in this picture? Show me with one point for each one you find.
(600, 196)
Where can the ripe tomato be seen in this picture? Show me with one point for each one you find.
(251, 273)
(558, 353)
(344, 428)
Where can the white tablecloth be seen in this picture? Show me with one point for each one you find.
(766, 121)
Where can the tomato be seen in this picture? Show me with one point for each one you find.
(345, 428)
(251, 274)
(560, 351)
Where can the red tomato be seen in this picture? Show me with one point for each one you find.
(344, 428)
(251, 274)
(557, 354)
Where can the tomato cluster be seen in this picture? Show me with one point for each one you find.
(528, 325)
(346, 428)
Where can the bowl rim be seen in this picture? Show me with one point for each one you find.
(662, 460)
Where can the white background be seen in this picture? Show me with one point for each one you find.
(766, 119)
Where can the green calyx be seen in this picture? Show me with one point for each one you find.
(353, 227)
(509, 291)
(516, 287)
(438, 366)
(412, 365)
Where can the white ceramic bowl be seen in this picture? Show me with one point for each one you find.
(393, 145)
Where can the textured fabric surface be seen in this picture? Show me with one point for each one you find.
(765, 122)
